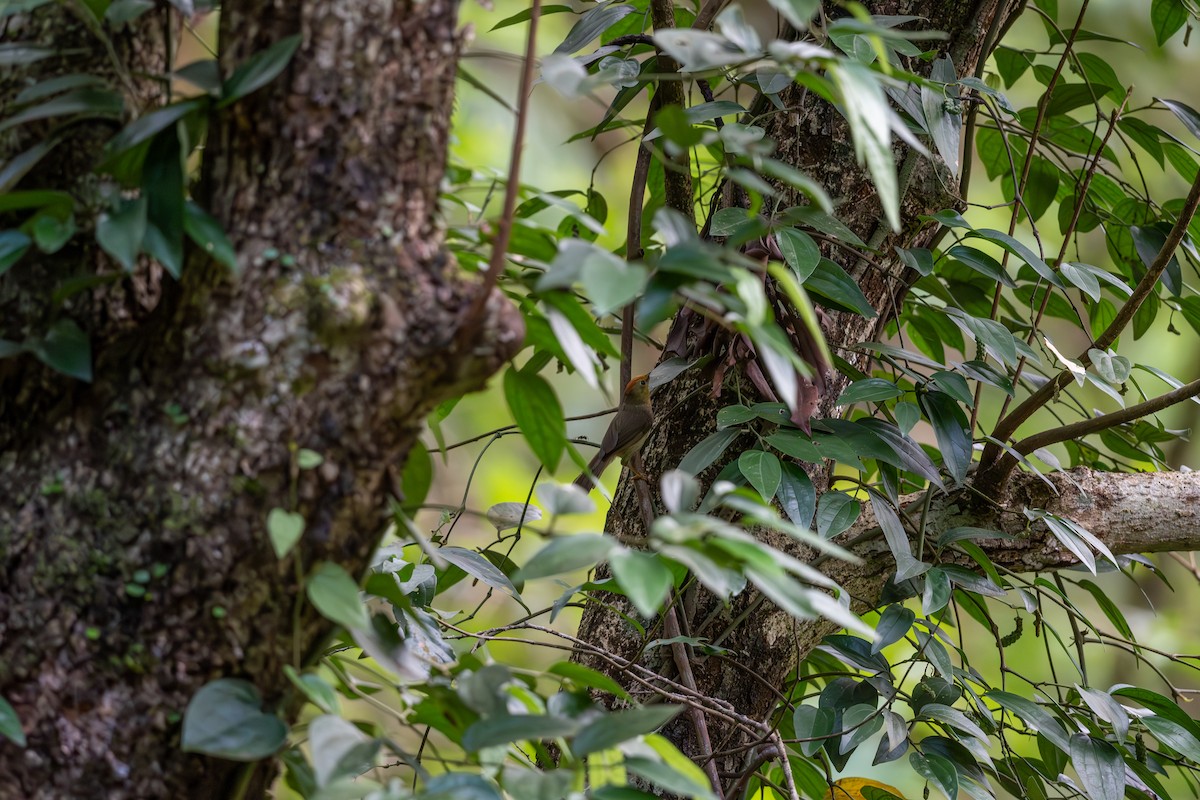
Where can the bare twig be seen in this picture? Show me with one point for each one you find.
(474, 316)
(997, 466)
(1085, 427)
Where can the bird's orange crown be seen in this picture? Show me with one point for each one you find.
(638, 386)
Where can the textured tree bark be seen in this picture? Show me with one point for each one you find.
(338, 336)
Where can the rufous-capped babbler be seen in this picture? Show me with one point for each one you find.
(625, 434)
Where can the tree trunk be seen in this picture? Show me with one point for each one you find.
(338, 336)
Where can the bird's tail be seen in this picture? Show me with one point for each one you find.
(595, 468)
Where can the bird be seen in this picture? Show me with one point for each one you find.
(625, 433)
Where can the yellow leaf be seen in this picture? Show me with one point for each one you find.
(852, 789)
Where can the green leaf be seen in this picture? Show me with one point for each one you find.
(259, 70)
(88, 101)
(797, 496)
(315, 688)
(832, 283)
(707, 451)
(13, 245)
(284, 529)
(203, 229)
(894, 623)
(479, 567)
(51, 232)
(120, 232)
(416, 479)
(1160, 705)
(147, 126)
(950, 428)
(591, 24)
(587, 677)
(763, 471)
(493, 731)
(567, 554)
(1100, 767)
(225, 719)
(643, 576)
(612, 729)
(334, 594)
(538, 414)
(163, 188)
(1167, 17)
(798, 13)
(19, 165)
(66, 348)
(938, 771)
(1034, 716)
(869, 390)
(10, 725)
(799, 251)
(866, 109)
(1174, 736)
(527, 14)
(836, 512)
(675, 778)
(945, 127)
(937, 591)
(814, 724)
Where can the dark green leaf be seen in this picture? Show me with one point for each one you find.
(66, 348)
(836, 512)
(225, 719)
(1174, 736)
(1033, 716)
(334, 594)
(493, 731)
(1100, 767)
(814, 724)
(1186, 114)
(612, 729)
(937, 591)
(799, 251)
(146, 126)
(950, 428)
(479, 567)
(259, 70)
(536, 409)
(707, 451)
(567, 554)
(13, 245)
(762, 470)
(894, 623)
(587, 677)
(87, 101)
(51, 232)
(120, 232)
(830, 282)
(10, 725)
(206, 232)
(591, 24)
(797, 496)
(525, 15)
(163, 188)
(1167, 17)
(869, 390)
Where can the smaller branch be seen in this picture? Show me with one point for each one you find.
(473, 318)
(1086, 427)
(997, 467)
(684, 665)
